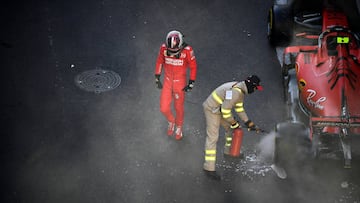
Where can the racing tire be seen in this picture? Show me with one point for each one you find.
(292, 145)
(279, 25)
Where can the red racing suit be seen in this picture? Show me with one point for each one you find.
(175, 70)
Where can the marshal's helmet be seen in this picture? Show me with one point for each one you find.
(253, 82)
(174, 41)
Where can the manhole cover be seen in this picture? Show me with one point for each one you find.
(98, 80)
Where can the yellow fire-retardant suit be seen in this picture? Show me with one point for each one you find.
(218, 111)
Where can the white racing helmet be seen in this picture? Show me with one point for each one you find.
(174, 41)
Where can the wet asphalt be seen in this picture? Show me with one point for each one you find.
(63, 141)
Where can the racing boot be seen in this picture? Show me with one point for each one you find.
(212, 175)
(178, 133)
(171, 127)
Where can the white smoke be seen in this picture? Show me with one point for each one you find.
(266, 146)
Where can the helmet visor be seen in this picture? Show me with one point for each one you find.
(173, 43)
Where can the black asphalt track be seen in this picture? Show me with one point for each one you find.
(61, 143)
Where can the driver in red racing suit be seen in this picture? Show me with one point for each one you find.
(174, 57)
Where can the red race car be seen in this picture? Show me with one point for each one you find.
(321, 71)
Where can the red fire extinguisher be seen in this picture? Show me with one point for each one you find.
(236, 142)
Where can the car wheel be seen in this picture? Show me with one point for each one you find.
(292, 144)
(279, 25)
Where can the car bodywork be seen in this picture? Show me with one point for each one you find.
(321, 72)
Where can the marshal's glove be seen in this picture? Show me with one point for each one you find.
(190, 85)
(234, 125)
(158, 82)
(252, 127)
